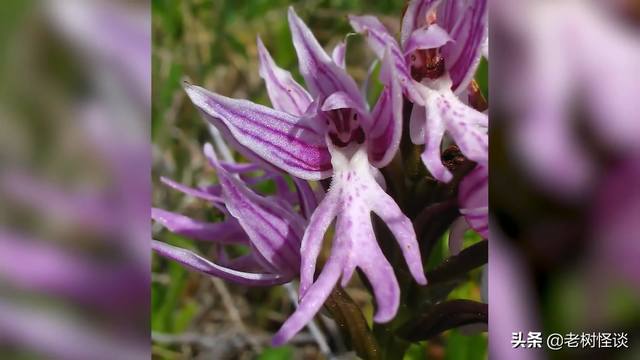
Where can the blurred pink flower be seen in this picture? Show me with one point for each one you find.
(615, 216)
(567, 53)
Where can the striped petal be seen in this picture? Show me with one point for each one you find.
(217, 200)
(432, 37)
(240, 168)
(415, 17)
(202, 265)
(284, 92)
(275, 232)
(379, 39)
(281, 139)
(306, 197)
(225, 232)
(386, 131)
(322, 76)
(466, 22)
(339, 53)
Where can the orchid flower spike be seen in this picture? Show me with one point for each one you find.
(442, 43)
(327, 132)
(269, 226)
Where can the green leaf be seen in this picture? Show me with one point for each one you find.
(183, 317)
(267, 187)
(416, 352)
(460, 347)
(482, 77)
(281, 353)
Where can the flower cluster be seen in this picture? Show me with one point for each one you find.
(328, 132)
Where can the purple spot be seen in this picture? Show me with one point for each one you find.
(348, 176)
(350, 198)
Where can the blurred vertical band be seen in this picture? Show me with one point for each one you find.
(565, 177)
(75, 97)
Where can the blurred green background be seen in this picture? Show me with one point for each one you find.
(213, 43)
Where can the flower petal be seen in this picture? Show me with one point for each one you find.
(383, 281)
(445, 112)
(200, 264)
(379, 39)
(415, 17)
(225, 232)
(478, 220)
(355, 238)
(418, 124)
(240, 168)
(245, 262)
(473, 196)
(485, 48)
(306, 197)
(431, 156)
(388, 210)
(277, 137)
(451, 12)
(456, 235)
(432, 37)
(274, 231)
(311, 303)
(313, 237)
(466, 21)
(387, 116)
(284, 92)
(467, 127)
(342, 100)
(221, 145)
(322, 75)
(377, 175)
(282, 187)
(339, 53)
(217, 201)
